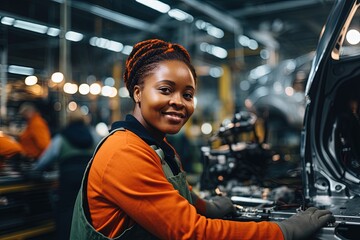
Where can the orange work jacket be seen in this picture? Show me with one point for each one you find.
(126, 184)
(35, 137)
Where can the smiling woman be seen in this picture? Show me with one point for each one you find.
(135, 186)
(164, 106)
(162, 82)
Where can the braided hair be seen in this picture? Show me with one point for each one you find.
(146, 56)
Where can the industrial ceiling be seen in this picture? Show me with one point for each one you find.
(288, 28)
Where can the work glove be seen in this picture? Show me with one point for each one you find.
(304, 224)
(218, 207)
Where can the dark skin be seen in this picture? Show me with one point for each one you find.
(165, 98)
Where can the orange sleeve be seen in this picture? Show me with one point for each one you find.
(41, 133)
(9, 147)
(126, 184)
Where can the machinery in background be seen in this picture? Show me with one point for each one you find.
(330, 163)
(238, 163)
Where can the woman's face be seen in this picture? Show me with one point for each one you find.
(165, 101)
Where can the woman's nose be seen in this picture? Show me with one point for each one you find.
(177, 100)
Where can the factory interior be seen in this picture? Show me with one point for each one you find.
(253, 59)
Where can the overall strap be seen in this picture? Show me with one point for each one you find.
(104, 138)
(165, 166)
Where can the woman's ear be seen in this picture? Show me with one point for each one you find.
(137, 93)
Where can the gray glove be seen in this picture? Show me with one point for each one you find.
(304, 224)
(218, 207)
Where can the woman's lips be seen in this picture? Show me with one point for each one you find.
(175, 117)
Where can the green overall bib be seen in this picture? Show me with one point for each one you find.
(81, 227)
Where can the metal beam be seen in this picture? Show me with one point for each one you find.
(274, 7)
(3, 74)
(228, 22)
(113, 16)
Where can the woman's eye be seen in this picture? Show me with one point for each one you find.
(188, 96)
(165, 90)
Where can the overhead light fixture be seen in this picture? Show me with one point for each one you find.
(244, 40)
(247, 42)
(109, 81)
(156, 5)
(30, 26)
(216, 51)
(115, 46)
(70, 88)
(57, 77)
(127, 50)
(216, 72)
(20, 70)
(219, 52)
(123, 92)
(95, 88)
(106, 44)
(180, 15)
(209, 28)
(34, 27)
(215, 32)
(53, 32)
(84, 89)
(108, 91)
(74, 36)
(8, 21)
(264, 54)
(253, 44)
(97, 42)
(259, 71)
(31, 80)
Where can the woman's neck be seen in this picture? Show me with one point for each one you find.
(155, 133)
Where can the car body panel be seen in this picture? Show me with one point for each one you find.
(330, 180)
(327, 78)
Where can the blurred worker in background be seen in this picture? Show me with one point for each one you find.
(10, 150)
(9, 147)
(69, 152)
(135, 186)
(36, 136)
